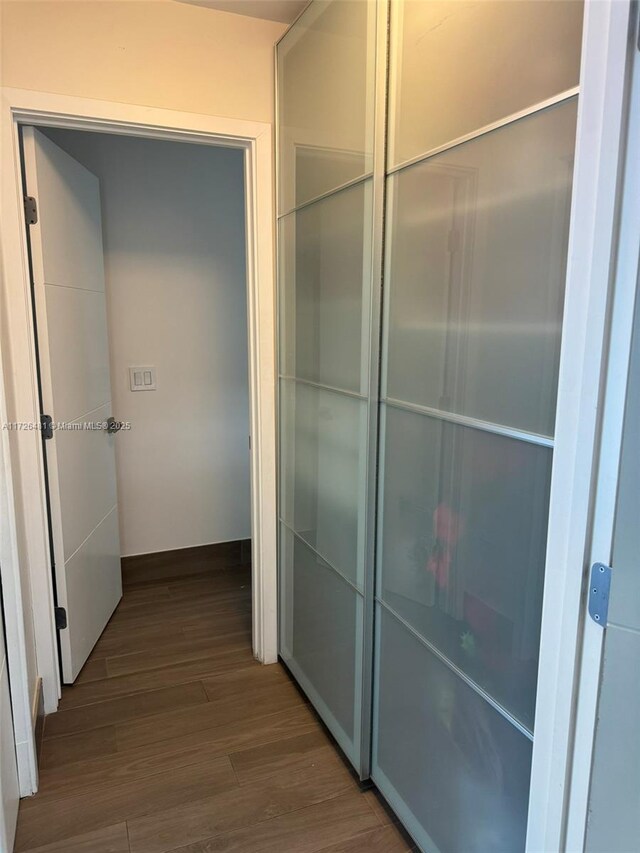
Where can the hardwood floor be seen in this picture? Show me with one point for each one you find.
(175, 739)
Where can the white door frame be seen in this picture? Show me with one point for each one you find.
(24, 528)
(624, 279)
(588, 432)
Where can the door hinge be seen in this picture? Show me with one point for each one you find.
(30, 210)
(599, 590)
(46, 426)
(61, 618)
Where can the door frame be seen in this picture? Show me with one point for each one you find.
(25, 538)
(592, 377)
(625, 278)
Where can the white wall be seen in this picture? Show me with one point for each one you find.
(153, 52)
(143, 52)
(174, 241)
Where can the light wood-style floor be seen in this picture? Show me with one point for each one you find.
(175, 739)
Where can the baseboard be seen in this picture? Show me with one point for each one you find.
(245, 552)
(184, 562)
(37, 717)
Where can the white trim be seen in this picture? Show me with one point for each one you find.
(262, 384)
(14, 599)
(582, 369)
(24, 523)
(626, 261)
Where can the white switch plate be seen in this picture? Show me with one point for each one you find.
(142, 378)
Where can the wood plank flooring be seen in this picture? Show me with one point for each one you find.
(174, 740)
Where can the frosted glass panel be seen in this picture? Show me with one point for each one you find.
(443, 757)
(326, 68)
(463, 547)
(476, 269)
(321, 637)
(325, 99)
(325, 281)
(322, 473)
(459, 66)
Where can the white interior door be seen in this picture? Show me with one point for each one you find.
(9, 795)
(68, 275)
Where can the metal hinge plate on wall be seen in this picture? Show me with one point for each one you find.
(46, 426)
(599, 590)
(61, 618)
(30, 210)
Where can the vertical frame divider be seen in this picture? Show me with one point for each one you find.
(373, 414)
(277, 272)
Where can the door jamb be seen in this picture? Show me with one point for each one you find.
(24, 535)
(625, 277)
(558, 765)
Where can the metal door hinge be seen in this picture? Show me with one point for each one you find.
(599, 593)
(46, 426)
(30, 210)
(61, 618)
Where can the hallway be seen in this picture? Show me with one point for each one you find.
(175, 739)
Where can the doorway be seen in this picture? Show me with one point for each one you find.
(26, 563)
(139, 270)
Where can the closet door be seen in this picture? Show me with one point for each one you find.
(326, 70)
(481, 134)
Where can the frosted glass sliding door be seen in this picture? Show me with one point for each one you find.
(481, 133)
(326, 71)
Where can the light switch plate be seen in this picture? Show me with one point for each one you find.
(142, 378)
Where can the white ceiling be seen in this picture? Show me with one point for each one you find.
(271, 10)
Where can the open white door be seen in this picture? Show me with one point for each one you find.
(68, 275)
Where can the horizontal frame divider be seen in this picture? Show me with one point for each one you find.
(457, 671)
(327, 194)
(324, 559)
(332, 389)
(473, 423)
(488, 128)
